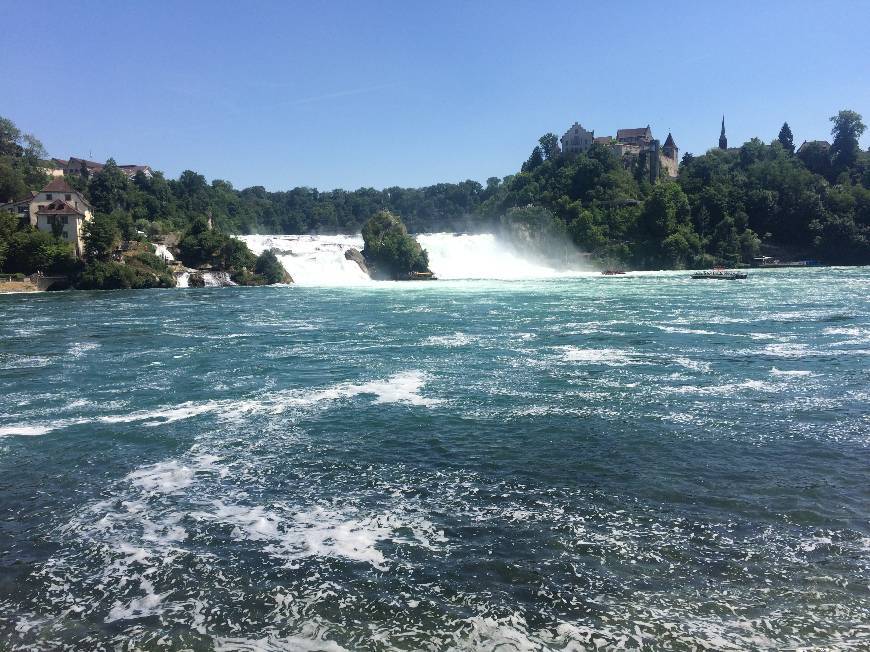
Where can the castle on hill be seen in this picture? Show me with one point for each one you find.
(628, 145)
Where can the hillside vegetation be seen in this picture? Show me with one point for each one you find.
(726, 207)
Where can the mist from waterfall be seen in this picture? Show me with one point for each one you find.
(319, 259)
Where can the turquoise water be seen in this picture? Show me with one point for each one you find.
(557, 464)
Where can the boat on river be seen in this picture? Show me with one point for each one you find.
(721, 275)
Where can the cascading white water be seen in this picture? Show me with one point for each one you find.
(482, 256)
(313, 259)
(319, 259)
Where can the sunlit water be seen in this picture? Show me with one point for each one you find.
(552, 464)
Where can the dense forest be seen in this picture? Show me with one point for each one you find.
(725, 207)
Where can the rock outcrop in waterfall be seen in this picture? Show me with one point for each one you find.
(390, 253)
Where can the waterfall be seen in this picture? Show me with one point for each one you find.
(483, 256)
(319, 259)
(210, 279)
(313, 259)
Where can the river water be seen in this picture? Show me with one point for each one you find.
(544, 464)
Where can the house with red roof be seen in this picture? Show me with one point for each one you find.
(62, 210)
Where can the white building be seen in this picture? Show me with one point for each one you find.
(61, 209)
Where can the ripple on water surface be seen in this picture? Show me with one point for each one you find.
(571, 465)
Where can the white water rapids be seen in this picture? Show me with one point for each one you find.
(319, 259)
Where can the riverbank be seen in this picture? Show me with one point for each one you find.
(16, 283)
(15, 287)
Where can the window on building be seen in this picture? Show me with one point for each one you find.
(68, 196)
(48, 196)
(65, 219)
(65, 235)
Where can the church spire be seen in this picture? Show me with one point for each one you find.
(723, 141)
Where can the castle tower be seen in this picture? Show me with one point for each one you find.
(723, 141)
(670, 148)
(654, 162)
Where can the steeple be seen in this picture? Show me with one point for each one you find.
(669, 149)
(723, 141)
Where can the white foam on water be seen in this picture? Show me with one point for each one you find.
(403, 387)
(79, 349)
(793, 372)
(728, 389)
(15, 361)
(316, 532)
(161, 416)
(164, 477)
(788, 350)
(606, 356)
(148, 604)
(686, 331)
(457, 339)
(276, 643)
(694, 365)
(25, 430)
(763, 336)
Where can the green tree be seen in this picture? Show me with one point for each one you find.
(786, 138)
(100, 236)
(8, 226)
(10, 135)
(389, 251)
(846, 131)
(269, 267)
(549, 145)
(13, 185)
(30, 251)
(817, 159)
(108, 188)
(535, 159)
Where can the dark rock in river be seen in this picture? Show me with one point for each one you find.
(357, 257)
(196, 280)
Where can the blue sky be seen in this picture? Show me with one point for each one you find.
(350, 94)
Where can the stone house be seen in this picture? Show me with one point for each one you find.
(577, 140)
(59, 208)
(642, 137)
(822, 144)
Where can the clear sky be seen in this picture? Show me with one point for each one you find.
(349, 94)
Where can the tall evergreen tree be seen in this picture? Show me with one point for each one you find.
(535, 159)
(846, 131)
(786, 138)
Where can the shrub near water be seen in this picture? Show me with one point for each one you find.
(269, 267)
(141, 271)
(268, 270)
(389, 251)
(205, 247)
